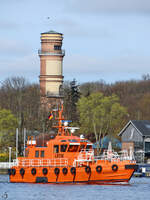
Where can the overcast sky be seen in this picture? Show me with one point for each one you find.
(103, 39)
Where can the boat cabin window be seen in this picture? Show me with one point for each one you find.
(81, 147)
(42, 154)
(56, 148)
(63, 147)
(73, 148)
(73, 140)
(88, 147)
(36, 154)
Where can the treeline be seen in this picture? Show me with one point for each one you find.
(133, 94)
(21, 99)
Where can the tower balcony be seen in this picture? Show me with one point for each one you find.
(51, 53)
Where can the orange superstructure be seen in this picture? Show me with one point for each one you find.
(70, 159)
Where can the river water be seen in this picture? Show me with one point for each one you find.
(137, 189)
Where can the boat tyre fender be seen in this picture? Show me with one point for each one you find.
(33, 171)
(56, 171)
(65, 170)
(22, 171)
(114, 168)
(88, 169)
(9, 172)
(13, 171)
(99, 168)
(45, 171)
(73, 170)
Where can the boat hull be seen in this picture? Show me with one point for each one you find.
(107, 175)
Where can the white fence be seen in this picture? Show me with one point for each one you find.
(6, 165)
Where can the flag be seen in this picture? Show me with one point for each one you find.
(50, 116)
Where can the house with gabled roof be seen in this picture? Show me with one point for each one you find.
(136, 135)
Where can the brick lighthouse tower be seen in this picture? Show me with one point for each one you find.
(51, 65)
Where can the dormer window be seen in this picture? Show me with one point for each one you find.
(57, 47)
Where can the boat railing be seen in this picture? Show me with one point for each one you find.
(86, 154)
(114, 156)
(56, 162)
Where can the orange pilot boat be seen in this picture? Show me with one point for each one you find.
(70, 159)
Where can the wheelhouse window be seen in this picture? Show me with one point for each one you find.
(56, 148)
(36, 154)
(73, 148)
(63, 147)
(89, 146)
(82, 146)
(42, 154)
(57, 47)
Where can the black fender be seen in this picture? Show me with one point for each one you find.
(99, 168)
(73, 170)
(33, 171)
(88, 169)
(65, 170)
(13, 171)
(22, 171)
(56, 171)
(114, 167)
(45, 171)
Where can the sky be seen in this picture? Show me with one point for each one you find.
(105, 40)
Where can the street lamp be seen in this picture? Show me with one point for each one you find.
(10, 154)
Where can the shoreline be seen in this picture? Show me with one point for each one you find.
(3, 171)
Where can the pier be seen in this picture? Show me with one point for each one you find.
(4, 166)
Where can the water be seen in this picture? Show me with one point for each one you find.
(138, 189)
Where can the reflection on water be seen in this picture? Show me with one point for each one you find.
(137, 189)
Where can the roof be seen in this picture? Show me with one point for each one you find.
(142, 126)
(51, 32)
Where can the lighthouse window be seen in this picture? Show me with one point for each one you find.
(56, 149)
(56, 47)
(36, 154)
(63, 147)
(42, 154)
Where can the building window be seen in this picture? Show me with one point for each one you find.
(36, 154)
(63, 147)
(56, 47)
(61, 90)
(42, 154)
(56, 149)
(147, 147)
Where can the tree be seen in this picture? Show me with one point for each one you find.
(100, 114)
(71, 97)
(23, 99)
(144, 107)
(8, 125)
